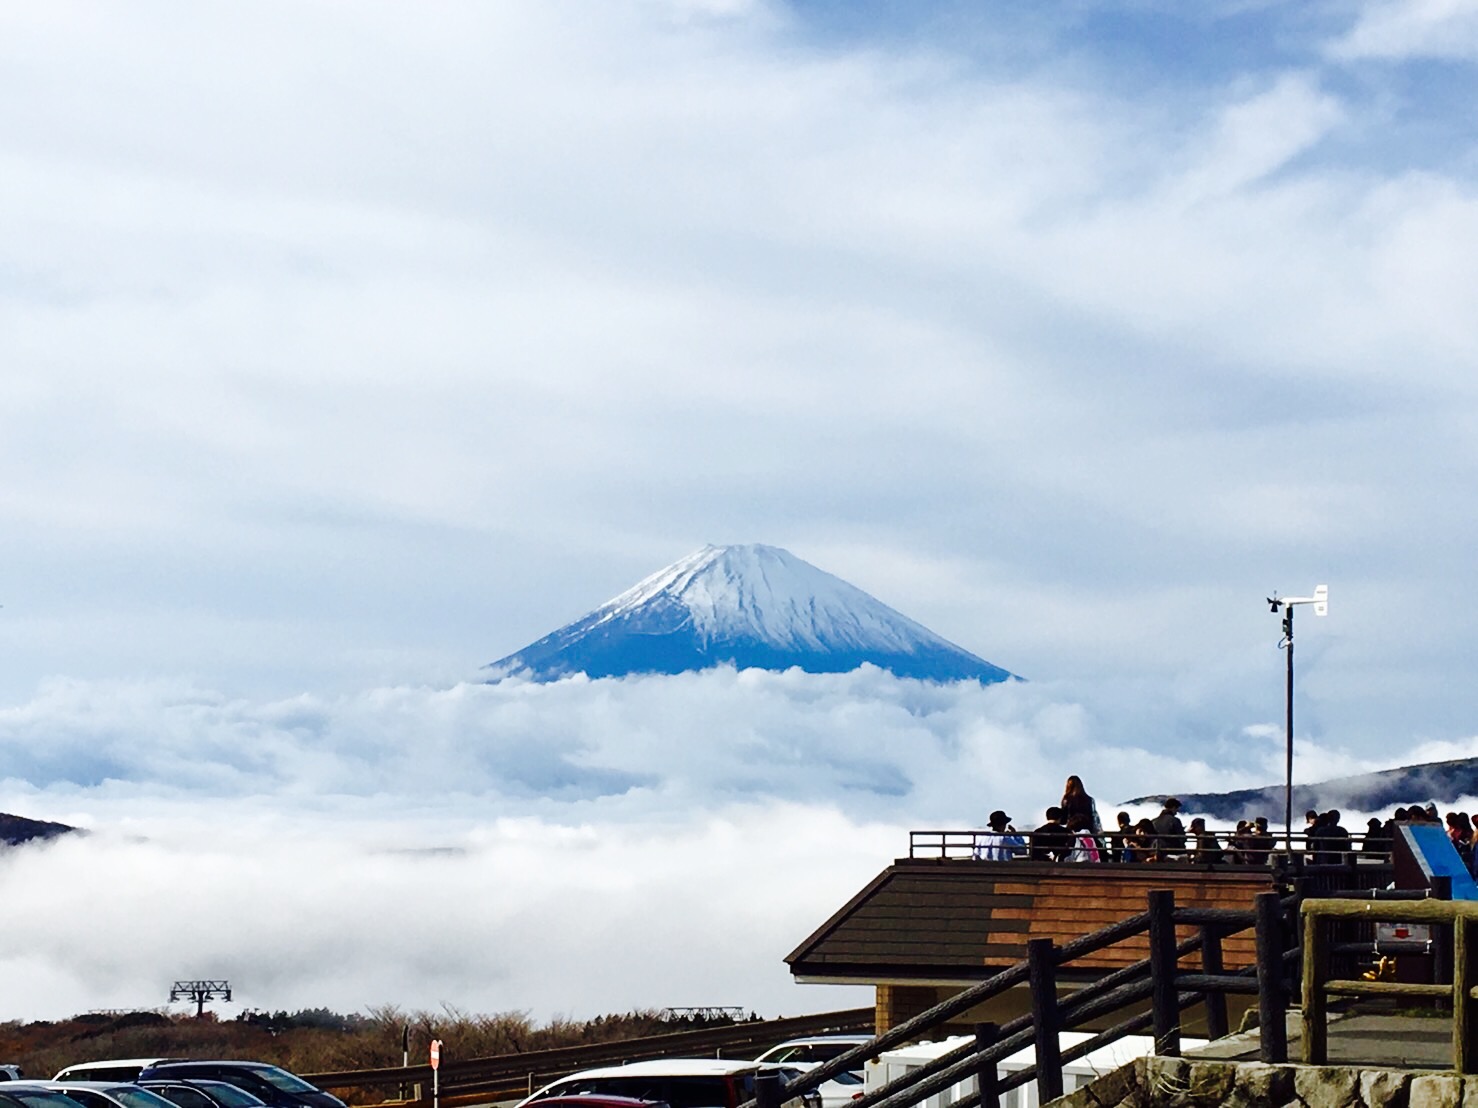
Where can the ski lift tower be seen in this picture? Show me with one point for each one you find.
(200, 992)
(1286, 604)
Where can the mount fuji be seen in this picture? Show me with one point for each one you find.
(750, 607)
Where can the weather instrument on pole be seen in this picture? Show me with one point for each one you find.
(1286, 604)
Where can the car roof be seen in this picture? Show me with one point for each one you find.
(672, 1067)
(859, 1038)
(611, 1099)
(110, 1063)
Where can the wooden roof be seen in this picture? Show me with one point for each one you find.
(961, 920)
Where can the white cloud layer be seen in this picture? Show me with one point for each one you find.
(570, 848)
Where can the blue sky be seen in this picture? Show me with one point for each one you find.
(348, 348)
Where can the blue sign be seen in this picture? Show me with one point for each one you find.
(1437, 856)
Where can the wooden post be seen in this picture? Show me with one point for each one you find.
(1272, 997)
(1316, 972)
(1164, 999)
(1216, 1002)
(985, 1072)
(1042, 972)
(1442, 936)
(1464, 1050)
(767, 1089)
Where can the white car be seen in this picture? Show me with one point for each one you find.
(680, 1082)
(810, 1051)
(839, 1091)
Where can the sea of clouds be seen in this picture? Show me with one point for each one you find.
(568, 848)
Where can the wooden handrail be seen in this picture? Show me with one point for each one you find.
(1319, 984)
(1158, 976)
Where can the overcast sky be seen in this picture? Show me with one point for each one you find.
(349, 347)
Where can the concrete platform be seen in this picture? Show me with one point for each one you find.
(1368, 1040)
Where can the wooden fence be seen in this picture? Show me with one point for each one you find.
(1157, 978)
(1458, 918)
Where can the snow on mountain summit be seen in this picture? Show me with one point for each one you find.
(749, 606)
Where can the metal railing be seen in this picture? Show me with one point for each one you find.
(1157, 978)
(510, 1075)
(1112, 846)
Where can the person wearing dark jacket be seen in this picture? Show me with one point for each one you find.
(1208, 850)
(1052, 842)
(1169, 831)
(1077, 804)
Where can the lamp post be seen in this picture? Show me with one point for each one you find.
(1286, 604)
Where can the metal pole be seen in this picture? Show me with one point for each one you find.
(1288, 777)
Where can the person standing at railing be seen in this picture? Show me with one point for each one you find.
(1118, 841)
(1377, 842)
(1086, 847)
(1169, 831)
(1002, 842)
(1238, 844)
(1259, 843)
(1077, 804)
(1052, 842)
(1460, 832)
(1207, 850)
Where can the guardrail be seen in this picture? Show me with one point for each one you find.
(509, 1075)
(1111, 846)
(1157, 978)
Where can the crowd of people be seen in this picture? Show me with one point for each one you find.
(1073, 832)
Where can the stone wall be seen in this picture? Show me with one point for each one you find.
(1191, 1083)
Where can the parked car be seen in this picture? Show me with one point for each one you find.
(273, 1085)
(679, 1082)
(817, 1048)
(29, 1096)
(199, 1093)
(595, 1100)
(117, 1069)
(10, 1073)
(99, 1094)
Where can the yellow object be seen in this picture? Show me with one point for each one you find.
(1383, 970)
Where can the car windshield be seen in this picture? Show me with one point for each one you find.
(825, 1052)
(847, 1077)
(679, 1092)
(133, 1097)
(287, 1082)
(38, 1098)
(233, 1097)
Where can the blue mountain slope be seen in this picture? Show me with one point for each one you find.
(750, 607)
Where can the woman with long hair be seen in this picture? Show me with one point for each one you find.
(1077, 803)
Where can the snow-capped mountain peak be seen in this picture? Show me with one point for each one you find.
(746, 605)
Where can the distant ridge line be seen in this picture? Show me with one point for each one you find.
(1442, 783)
